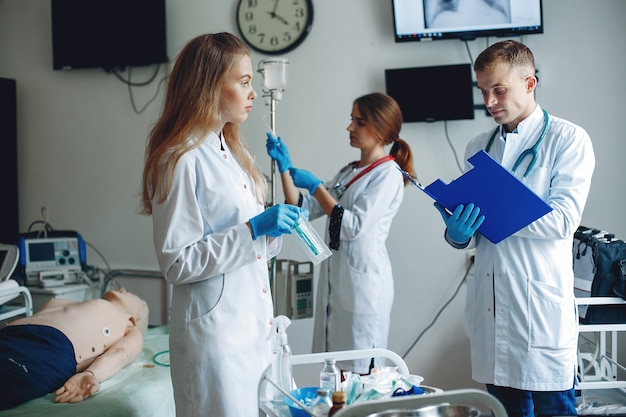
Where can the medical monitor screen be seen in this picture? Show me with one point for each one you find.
(429, 94)
(38, 252)
(427, 20)
(109, 34)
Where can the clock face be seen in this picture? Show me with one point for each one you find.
(274, 26)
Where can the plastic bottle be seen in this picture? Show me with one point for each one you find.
(330, 378)
(281, 357)
(339, 401)
(322, 403)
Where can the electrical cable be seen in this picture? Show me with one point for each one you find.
(445, 122)
(456, 157)
(469, 53)
(132, 99)
(116, 72)
(458, 288)
(47, 227)
(131, 84)
(101, 256)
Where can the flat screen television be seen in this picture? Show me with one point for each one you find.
(430, 94)
(427, 20)
(107, 34)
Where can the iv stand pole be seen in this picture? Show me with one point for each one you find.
(274, 94)
(273, 162)
(272, 271)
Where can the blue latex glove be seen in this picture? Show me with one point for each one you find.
(275, 221)
(305, 179)
(463, 222)
(278, 151)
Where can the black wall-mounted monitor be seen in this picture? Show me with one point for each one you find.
(427, 20)
(109, 34)
(429, 94)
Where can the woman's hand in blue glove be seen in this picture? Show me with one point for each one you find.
(463, 222)
(305, 179)
(276, 220)
(277, 150)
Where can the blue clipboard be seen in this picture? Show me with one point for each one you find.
(508, 204)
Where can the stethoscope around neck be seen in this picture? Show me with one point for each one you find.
(531, 151)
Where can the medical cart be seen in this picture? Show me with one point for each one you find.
(462, 396)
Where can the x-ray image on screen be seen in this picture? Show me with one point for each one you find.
(448, 13)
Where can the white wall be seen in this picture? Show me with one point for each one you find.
(80, 146)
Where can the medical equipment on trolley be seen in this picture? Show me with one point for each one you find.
(294, 289)
(51, 261)
(532, 151)
(430, 397)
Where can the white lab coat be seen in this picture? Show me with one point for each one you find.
(521, 315)
(355, 290)
(221, 308)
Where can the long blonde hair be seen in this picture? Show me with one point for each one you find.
(191, 109)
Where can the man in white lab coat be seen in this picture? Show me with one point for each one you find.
(521, 315)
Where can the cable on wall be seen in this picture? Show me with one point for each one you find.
(458, 288)
(129, 83)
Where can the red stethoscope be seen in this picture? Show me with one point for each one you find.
(339, 188)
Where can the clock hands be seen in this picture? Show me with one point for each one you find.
(273, 14)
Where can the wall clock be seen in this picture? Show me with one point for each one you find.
(274, 26)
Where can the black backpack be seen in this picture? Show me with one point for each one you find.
(601, 259)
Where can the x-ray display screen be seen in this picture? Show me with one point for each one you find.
(426, 20)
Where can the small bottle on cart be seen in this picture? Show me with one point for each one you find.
(339, 401)
(330, 378)
(322, 403)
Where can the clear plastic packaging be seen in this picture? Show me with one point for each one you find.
(330, 377)
(310, 240)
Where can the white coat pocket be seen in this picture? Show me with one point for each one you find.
(552, 318)
(204, 296)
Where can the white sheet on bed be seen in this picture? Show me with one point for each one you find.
(142, 389)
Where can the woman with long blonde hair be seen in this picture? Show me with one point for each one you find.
(212, 235)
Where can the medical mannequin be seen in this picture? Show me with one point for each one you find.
(521, 315)
(212, 235)
(355, 290)
(69, 347)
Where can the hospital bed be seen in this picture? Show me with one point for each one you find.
(469, 397)
(141, 389)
